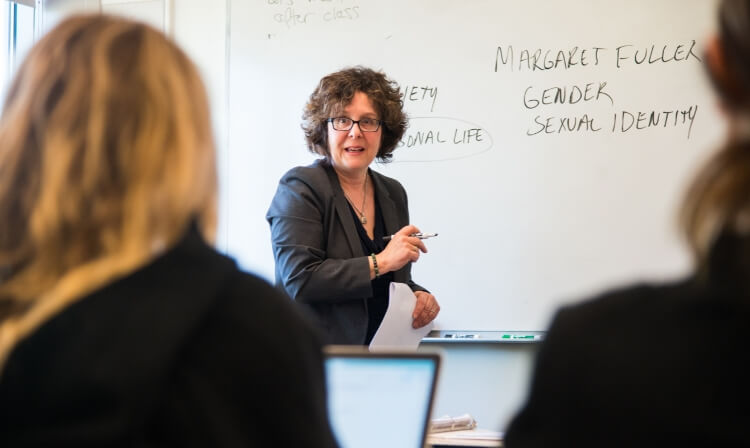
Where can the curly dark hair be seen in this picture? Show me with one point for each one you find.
(335, 92)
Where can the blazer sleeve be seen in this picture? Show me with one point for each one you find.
(397, 194)
(252, 376)
(301, 217)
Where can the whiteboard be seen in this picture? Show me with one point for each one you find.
(549, 145)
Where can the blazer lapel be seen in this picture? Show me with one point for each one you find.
(387, 205)
(344, 215)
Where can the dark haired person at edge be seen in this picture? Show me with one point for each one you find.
(665, 365)
(119, 324)
(328, 219)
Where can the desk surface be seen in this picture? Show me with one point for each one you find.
(473, 437)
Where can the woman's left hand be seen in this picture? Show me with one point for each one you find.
(426, 309)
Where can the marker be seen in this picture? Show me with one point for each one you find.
(461, 336)
(520, 337)
(469, 336)
(420, 235)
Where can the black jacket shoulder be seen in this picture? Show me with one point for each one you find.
(647, 365)
(186, 351)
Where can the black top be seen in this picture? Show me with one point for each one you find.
(319, 258)
(649, 365)
(377, 304)
(187, 352)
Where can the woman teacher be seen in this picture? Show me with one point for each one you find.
(328, 219)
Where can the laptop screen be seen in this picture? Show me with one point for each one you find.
(380, 399)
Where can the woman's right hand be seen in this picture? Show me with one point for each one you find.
(401, 249)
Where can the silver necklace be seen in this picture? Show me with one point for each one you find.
(362, 217)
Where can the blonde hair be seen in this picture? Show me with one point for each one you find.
(106, 156)
(718, 201)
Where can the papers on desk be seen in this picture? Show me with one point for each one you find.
(448, 423)
(395, 331)
(461, 431)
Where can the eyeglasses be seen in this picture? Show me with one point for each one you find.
(346, 123)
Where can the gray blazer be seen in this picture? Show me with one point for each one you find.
(319, 257)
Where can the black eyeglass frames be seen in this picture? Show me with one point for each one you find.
(346, 123)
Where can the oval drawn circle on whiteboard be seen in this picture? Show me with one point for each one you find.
(434, 139)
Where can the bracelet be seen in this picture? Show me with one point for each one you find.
(375, 265)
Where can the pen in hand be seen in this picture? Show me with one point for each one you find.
(420, 235)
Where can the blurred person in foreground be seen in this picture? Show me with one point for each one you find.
(120, 325)
(665, 365)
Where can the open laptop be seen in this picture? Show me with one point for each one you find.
(380, 399)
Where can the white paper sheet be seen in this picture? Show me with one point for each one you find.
(395, 331)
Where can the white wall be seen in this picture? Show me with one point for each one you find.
(55, 10)
(485, 380)
(200, 27)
